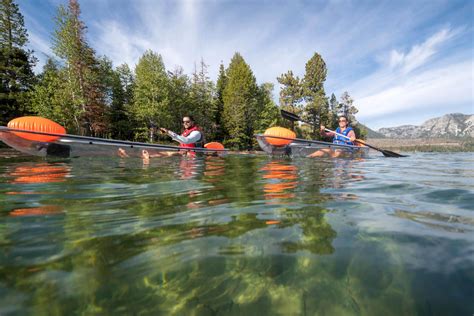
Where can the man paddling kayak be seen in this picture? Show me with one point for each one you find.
(191, 137)
(343, 129)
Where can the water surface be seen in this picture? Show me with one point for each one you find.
(239, 235)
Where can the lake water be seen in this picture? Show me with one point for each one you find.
(239, 235)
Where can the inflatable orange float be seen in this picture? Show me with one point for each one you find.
(36, 124)
(279, 132)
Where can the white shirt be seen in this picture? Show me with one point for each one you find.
(192, 138)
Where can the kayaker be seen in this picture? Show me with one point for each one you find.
(343, 129)
(191, 137)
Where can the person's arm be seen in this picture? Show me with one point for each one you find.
(192, 138)
(324, 133)
(352, 136)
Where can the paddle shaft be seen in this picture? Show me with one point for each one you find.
(346, 137)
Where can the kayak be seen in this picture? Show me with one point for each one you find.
(296, 147)
(46, 144)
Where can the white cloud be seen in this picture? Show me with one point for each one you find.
(446, 87)
(419, 54)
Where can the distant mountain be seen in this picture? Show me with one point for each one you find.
(449, 125)
(370, 132)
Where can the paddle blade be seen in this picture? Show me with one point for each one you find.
(289, 116)
(388, 153)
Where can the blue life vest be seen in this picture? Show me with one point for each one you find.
(341, 140)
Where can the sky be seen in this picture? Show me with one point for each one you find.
(403, 62)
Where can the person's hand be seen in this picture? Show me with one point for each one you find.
(322, 128)
(352, 138)
(163, 130)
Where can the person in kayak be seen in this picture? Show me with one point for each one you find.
(191, 137)
(343, 129)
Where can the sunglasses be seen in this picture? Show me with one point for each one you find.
(342, 120)
(186, 122)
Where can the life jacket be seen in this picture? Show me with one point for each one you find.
(199, 143)
(341, 140)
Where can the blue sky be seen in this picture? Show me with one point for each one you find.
(403, 62)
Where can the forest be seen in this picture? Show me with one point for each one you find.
(88, 95)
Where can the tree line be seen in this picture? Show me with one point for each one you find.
(86, 94)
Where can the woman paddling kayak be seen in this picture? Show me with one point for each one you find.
(343, 129)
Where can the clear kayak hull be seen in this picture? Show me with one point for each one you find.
(71, 146)
(304, 148)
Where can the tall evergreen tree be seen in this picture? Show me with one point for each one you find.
(50, 97)
(116, 96)
(120, 117)
(220, 87)
(316, 108)
(202, 97)
(179, 98)
(270, 115)
(346, 107)
(16, 63)
(82, 70)
(150, 101)
(241, 107)
(291, 93)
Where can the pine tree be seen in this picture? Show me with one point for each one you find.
(179, 98)
(241, 107)
(150, 100)
(82, 71)
(50, 97)
(291, 94)
(16, 63)
(348, 109)
(270, 115)
(316, 108)
(202, 99)
(116, 98)
(121, 121)
(219, 101)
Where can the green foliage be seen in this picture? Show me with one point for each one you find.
(347, 108)
(150, 102)
(117, 87)
(219, 101)
(317, 106)
(179, 98)
(82, 71)
(270, 115)
(315, 76)
(241, 107)
(308, 99)
(291, 96)
(50, 97)
(203, 105)
(16, 63)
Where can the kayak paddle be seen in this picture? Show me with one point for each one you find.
(293, 117)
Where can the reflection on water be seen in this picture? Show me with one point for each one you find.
(282, 179)
(236, 236)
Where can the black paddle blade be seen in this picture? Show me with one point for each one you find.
(289, 116)
(388, 153)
